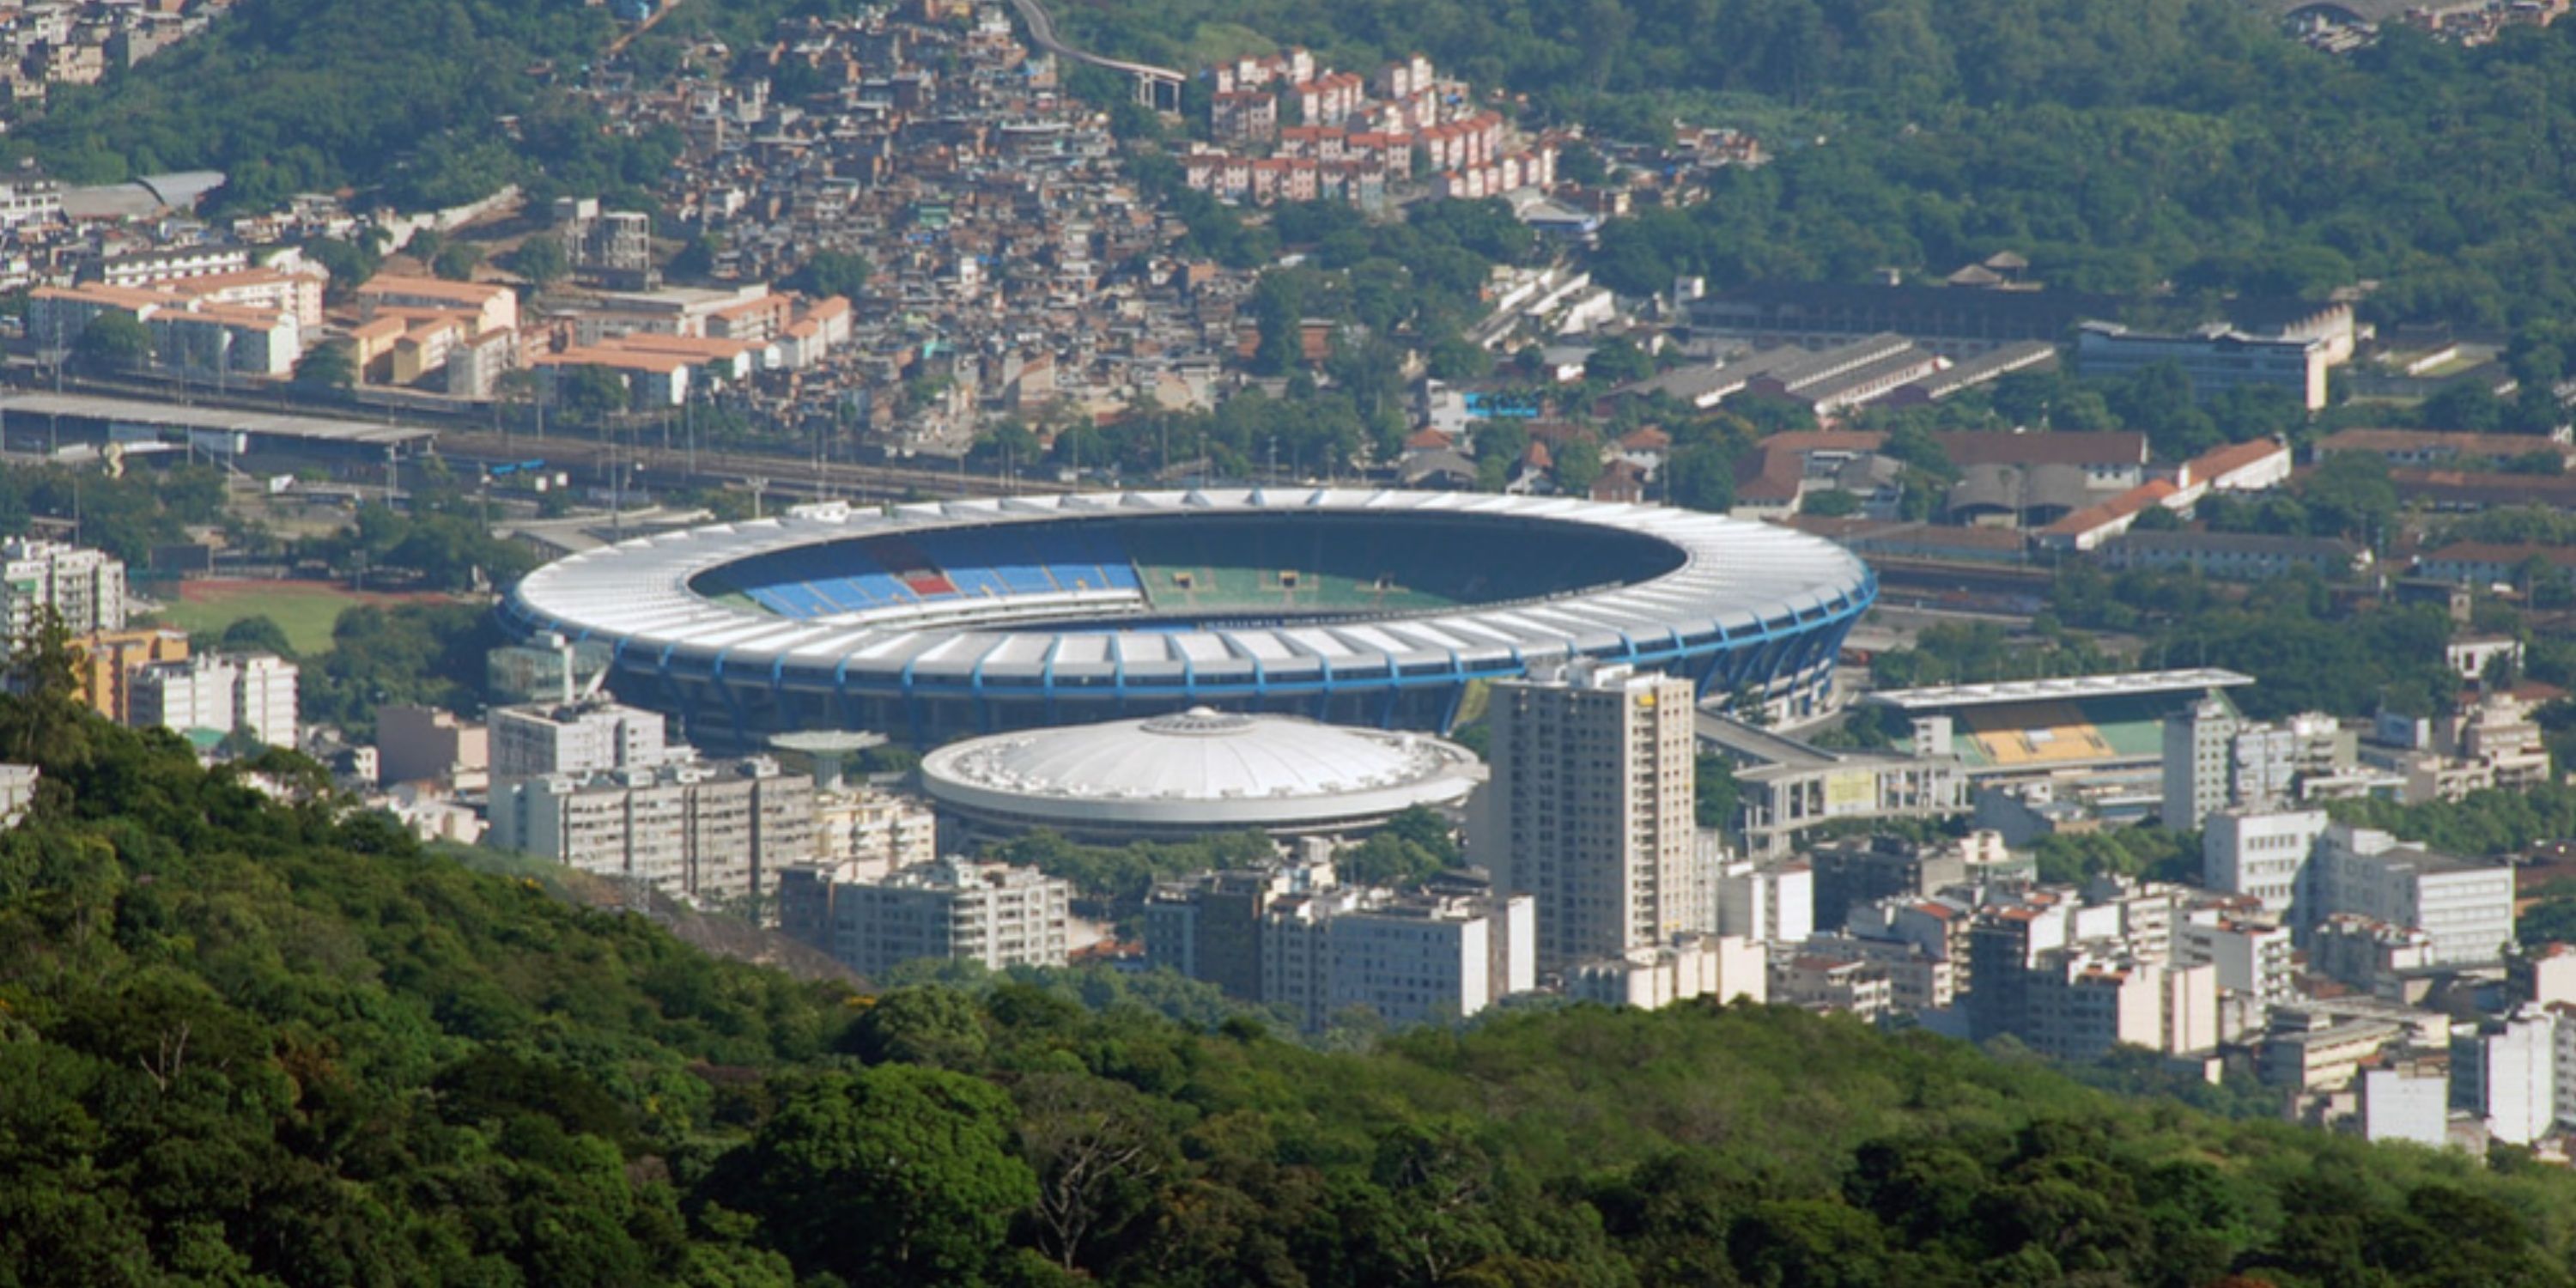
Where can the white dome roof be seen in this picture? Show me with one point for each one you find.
(1200, 767)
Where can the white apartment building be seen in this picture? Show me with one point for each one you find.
(84, 587)
(2264, 855)
(30, 197)
(1917, 979)
(1592, 797)
(1409, 958)
(953, 908)
(1728, 968)
(1768, 903)
(2409, 1101)
(578, 738)
(2085, 1000)
(265, 698)
(220, 692)
(2216, 760)
(2506, 1072)
(705, 832)
(2250, 957)
(1818, 983)
(2467, 907)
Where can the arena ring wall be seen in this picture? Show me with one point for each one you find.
(1372, 607)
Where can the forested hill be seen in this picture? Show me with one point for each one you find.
(2120, 144)
(406, 96)
(248, 1043)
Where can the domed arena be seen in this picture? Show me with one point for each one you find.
(1195, 772)
(1357, 607)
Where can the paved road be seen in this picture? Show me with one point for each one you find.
(783, 474)
(618, 46)
(1042, 31)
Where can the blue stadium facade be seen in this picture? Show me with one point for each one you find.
(1359, 607)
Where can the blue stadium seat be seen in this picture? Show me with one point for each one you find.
(1021, 579)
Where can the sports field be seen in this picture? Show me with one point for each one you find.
(305, 610)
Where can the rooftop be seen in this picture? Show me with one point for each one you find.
(1200, 766)
(2003, 692)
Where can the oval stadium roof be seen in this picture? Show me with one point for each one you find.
(1733, 577)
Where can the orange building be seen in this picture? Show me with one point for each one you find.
(110, 659)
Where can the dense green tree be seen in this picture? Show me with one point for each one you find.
(326, 366)
(113, 342)
(256, 633)
(457, 261)
(541, 259)
(897, 1175)
(832, 272)
(1701, 477)
(920, 1025)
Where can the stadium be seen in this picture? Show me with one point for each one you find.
(932, 620)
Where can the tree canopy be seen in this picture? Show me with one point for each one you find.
(275, 1041)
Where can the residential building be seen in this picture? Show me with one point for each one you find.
(881, 832)
(1918, 981)
(85, 588)
(425, 744)
(29, 196)
(2543, 975)
(189, 332)
(2505, 1071)
(219, 693)
(2250, 956)
(2408, 1100)
(574, 738)
(952, 909)
(1766, 901)
(110, 659)
(1818, 983)
(2085, 1000)
(2467, 907)
(1868, 869)
(1727, 968)
(1592, 796)
(487, 306)
(2471, 655)
(711, 833)
(2214, 759)
(2007, 940)
(1210, 927)
(1413, 957)
(2264, 855)
(265, 697)
(2373, 956)
(166, 264)
(2315, 1050)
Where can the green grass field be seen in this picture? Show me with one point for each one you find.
(304, 610)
